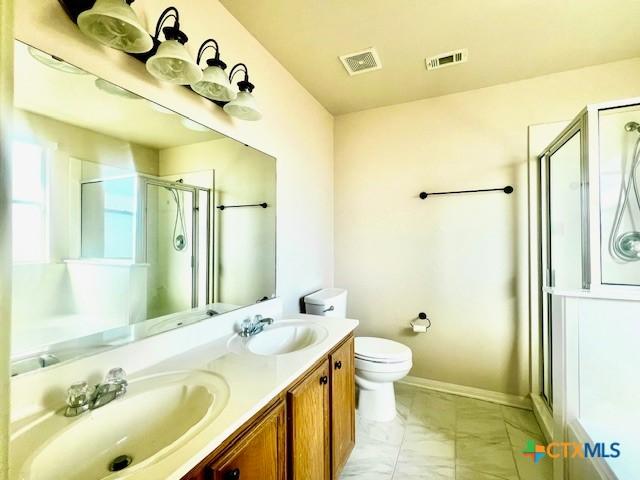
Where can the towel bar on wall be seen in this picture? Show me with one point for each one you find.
(263, 205)
(508, 189)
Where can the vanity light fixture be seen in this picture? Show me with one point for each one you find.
(244, 106)
(114, 23)
(172, 62)
(215, 84)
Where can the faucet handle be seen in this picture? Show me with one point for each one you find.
(78, 394)
(116, 376)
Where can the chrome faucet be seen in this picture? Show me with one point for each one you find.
(81, 398)
(255, 325)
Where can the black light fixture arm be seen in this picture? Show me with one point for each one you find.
(212, 62)
(508, 189)
(170, 33)
(245, 84)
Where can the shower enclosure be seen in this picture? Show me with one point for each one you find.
(588, 215)
(161, 227)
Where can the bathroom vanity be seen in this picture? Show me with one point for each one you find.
(279, 404)
(306, 432)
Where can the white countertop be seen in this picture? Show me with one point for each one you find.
(253, 382)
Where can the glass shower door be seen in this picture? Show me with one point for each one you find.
(170, 249)
(565, 233)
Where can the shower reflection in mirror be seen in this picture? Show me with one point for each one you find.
(115, 231)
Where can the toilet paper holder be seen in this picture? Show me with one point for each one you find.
(420, 323)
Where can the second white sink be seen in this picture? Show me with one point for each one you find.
(280, 338)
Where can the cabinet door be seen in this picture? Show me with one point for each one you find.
(308, 423)
(343, 408)
(258, 455)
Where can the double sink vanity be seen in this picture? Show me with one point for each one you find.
(277, 403)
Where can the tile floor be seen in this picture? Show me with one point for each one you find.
(441, 436)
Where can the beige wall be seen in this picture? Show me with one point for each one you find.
(84, 144)
(461, 259)
(295, 128)
(6, 99)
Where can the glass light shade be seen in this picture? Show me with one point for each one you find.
(215, 85)
(113, 89)
(195, 126)
(243, 107)
(172, 63)
(114, 24)
(55, 63)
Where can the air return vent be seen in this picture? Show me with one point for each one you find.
(447, 59)
(361, 62)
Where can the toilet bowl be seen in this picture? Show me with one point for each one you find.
(378, 362)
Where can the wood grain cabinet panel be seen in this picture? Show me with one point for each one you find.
(260, 455)
(308, 427)
(343, 419)
(306, 433)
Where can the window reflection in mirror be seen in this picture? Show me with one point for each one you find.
(116, 234)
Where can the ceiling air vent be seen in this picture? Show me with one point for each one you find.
(447, 59)
(361, 62)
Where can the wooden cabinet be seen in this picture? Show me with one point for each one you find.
(343, 419)
(308, 426)
(260, 454)
(307, 432)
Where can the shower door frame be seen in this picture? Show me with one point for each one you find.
(546, 285)
(145, 180)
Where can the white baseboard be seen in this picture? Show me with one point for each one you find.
(462, 390)
(543, 416)
(595, 468)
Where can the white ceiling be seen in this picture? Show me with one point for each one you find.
(75, 99)
(508, 40)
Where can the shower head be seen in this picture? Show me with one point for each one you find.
(632, 127)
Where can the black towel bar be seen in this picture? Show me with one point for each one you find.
(508, 189)
(263, 205)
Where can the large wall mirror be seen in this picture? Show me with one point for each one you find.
(128, 219)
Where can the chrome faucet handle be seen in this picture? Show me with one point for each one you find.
(245, 327)
(117, 376)
(78, 397)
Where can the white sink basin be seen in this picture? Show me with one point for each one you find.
(280, 338)
(157, 415)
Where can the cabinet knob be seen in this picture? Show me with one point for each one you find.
(337, 365)
(324, 380)
(232, 474)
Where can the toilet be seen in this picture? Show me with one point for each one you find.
(378, 362)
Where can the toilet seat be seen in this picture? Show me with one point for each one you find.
(381, 350)
(363, 365)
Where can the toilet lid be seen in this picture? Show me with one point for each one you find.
(381, 350)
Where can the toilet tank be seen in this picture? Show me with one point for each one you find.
(329, 302)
